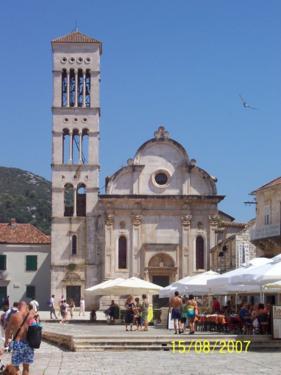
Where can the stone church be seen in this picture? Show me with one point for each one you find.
(159, 215)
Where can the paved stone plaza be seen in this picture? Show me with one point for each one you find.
(51, 360)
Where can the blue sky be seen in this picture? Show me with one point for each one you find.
(179, 63)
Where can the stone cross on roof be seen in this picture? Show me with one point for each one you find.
(161, 133)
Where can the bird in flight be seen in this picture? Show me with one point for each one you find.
(245, 104)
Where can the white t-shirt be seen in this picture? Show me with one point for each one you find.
(35, 305)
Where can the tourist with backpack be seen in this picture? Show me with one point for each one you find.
(23, 334)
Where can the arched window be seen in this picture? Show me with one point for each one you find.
(76, 146)
(66, 146)
(64, 88)
(85, 146)
(72, 88)
(88, 88)
(122, 252)
(74, 245)
(80, 88)
(200, 253)
(68, 200)
(81, 200)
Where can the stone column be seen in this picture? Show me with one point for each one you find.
(84, 88)
(75, 202)
(109, 248)
(80, 146)
(213, 224)
(68, 89)
(184, 267)
(76, 88)
(135, 245)
(70, 146)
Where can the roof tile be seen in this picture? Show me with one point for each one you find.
(75, 37)
(15, 233)
(274, 182)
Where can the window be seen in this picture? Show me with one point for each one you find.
(31, 263)
(2, 262)
(122, 252)
(30, 291)
(81, 200)
(68, 200)
(64, 88)
(266, 215)
(161, 178)
(72, 88)
(199, 253)
(88, 89)
(74, 245)
(66, 139)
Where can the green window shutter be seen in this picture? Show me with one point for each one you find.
(31, 263)
(30, 291)
(2, 262)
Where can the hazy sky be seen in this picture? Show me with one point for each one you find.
(179, 63)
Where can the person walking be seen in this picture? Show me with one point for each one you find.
(52, 307)
(63, 311)
(183, 319)
(16, 329)
(129, 316)
(175, 305)
(71, 304)
(192, 312)
(144, 312)
(137, 314)
(82, 307)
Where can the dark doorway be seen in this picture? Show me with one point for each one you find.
(161, 280)
(74, 292)
(3, 295)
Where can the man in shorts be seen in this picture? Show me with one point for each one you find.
(175, 304)
(22, 353)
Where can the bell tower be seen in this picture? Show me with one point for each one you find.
(75, 163)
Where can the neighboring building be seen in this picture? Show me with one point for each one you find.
(266, 234)
(233, 247)
(159, 215)
(25, 254)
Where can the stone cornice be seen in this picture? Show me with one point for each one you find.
(74, 167)
(145, 197)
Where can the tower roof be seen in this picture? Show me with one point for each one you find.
(76, 37)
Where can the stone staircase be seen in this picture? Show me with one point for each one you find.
(197, 343)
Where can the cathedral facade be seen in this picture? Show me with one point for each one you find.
(159, 215)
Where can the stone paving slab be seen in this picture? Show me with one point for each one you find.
(51, 360)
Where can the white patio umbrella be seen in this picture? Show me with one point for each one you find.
(273, 286)
(196, 284)
(102, 288)
(223, 283)
(260, 275)
(134, 286)
(169, 290)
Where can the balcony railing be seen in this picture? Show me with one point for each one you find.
(265, 231)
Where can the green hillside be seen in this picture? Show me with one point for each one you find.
(25, 197)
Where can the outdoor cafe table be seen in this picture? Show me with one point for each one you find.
(211, 322)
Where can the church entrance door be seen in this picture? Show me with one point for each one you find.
(74, 292)
(162, 280)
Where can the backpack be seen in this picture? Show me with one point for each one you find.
(34, 336)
